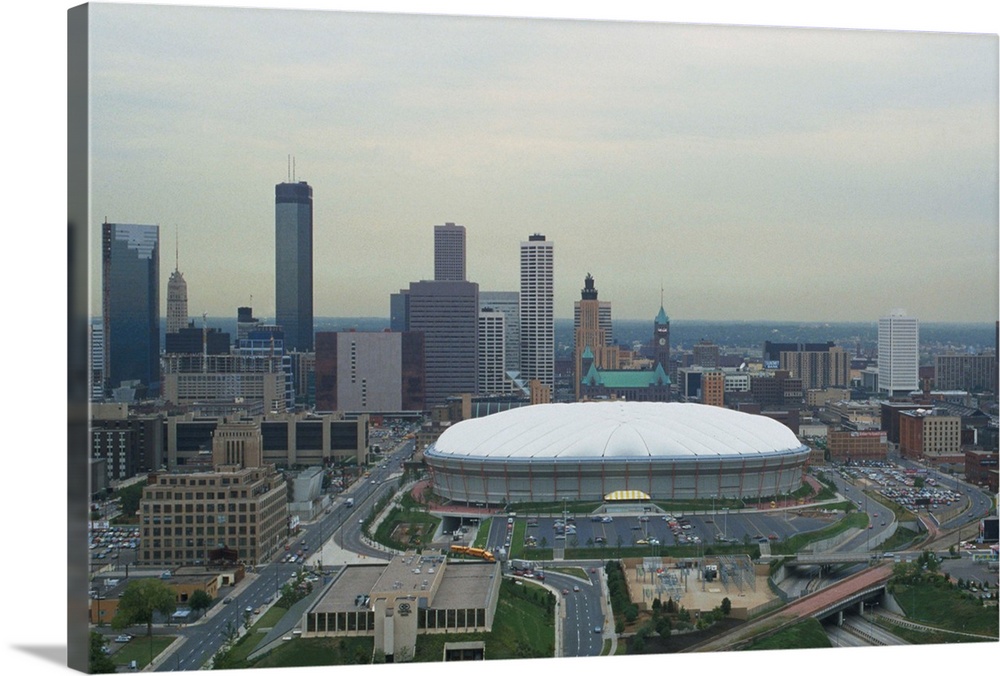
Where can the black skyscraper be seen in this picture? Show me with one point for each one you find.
(130, 267)
(293, 279)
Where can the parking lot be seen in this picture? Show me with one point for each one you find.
(913, 489)
(113, 544)
(657, 529)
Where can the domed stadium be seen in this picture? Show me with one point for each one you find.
(589, 450)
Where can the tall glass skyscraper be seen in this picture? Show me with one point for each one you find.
(293, 265)
(130, 275)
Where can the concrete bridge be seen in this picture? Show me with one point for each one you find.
(839, 597)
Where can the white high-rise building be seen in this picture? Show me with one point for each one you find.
(509, 303)
(97, 361)
(538, 338)
(177, 302)
(491, 338)
(898, 353)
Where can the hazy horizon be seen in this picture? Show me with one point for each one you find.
(752, 173)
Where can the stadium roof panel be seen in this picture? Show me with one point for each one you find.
(615, 430)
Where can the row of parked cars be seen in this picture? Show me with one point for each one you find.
(106, 542)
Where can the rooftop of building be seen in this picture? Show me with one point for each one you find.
(446, 584)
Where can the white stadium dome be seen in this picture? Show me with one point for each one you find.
(583, 451)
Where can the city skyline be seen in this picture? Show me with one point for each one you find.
(729, 165)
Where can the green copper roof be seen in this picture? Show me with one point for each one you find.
(662, 317)
(626, 378)
(587, 354)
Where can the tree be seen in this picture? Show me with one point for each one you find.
(200, 600)
(663, 627)
(637, 644)
(727, 606)
(100, 663)
(130, 497)
(140, 600)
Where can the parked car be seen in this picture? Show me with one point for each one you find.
(123, 638)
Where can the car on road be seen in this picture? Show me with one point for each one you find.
(576, 588)
(597, 629)
(565, 592)
(248, 609)
(593, 570)
(228, 599)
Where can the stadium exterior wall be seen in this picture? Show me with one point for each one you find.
(496, 481)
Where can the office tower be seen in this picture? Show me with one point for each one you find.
(449, 253)
(898, 353)
(293, 272)
(706, 354)
(591, 330)
(369, 372)
(193, 340)
(399, 310)
(269, 341)
(97, 361)
(130, 266)
(968, 372)
(448, 315)
(177, 299)
(507, 302)
(245, 323)
(537, 311)
(240, 484)
(819, 365)
(492, 330)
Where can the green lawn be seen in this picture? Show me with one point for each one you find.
(942, 605)
(251, 640)
(522, 628)
(901, 539)
(797, 542)
(138, 649)
(517, 539)
(313, 652)
(483, 533)
(414, 518)
(575, 571)
(806, 634)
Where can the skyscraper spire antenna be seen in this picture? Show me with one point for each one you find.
(288, 176)
(177, 248)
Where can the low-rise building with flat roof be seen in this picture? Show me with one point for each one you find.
(412, 594)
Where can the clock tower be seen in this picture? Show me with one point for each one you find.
(661, 340)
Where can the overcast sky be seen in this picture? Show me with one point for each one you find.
(754, 173)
